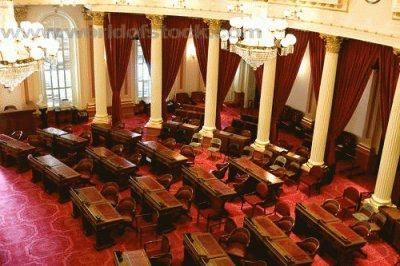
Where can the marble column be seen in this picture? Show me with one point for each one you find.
(390, 155)
(266, 102)
(325, 98)
(100, 69)
(212, 78)
(156, 120)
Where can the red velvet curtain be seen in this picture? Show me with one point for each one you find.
(175, 35)
(317, 58)
(287, 68)
(355, 64)
(228, 65)
(118, 44)
(259, 74)
(387, 80)
(200, 38)
(144, 33)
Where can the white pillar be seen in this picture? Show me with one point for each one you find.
(156, 120)
(325, 98)
(390, 156)
(212, 78)
(266, 102)
(100, 69)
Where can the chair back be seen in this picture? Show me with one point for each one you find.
(17, 134)
(239, 235)
(352, 194)
(280, 160)
(310, 245)
(126, 204)
(67, 128)
(135, 158)
(245, 133)
(169, 143)
(187, 151)
(286, 223)
(294, 166)
(112, 185)
(332, 206)
(262, 190)
(282, 208)
(194, 121)
(362, 228)
(35, 140)
(378, 218)
(165, 180)
(318, 172)
(303, 152)
(233, 149)
(230, 225)
(229, 129)
(118, 149)
(85, 164)
(185, 194)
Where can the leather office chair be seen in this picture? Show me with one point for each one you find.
(126, 207)
(185, 195)
(159, 251)
(233, 151)
(215, 146)
(281, 209)
(223, 235)
(212, 210)
(188, 152)
(220, 173)
(197, 141)
(377, 221)
(349, 200)
(286, 224)
(136, 159)
(239, 184)
(313, 179)
(18, 134)
(229, 129)
(279, 162)
(363, 229)
(118, 149)
(110, 191)
(364, 213)
(237, 243)
(85, 169)
(293, 171)
(310, 245)
(261, 197)
(146, 223)
(245, 133)
(303, 152)
(332, 206)
(180, 135)
(165, 180)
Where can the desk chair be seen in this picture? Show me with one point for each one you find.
(197, 141)
(310, 245)
(159, 251)
(215, 146)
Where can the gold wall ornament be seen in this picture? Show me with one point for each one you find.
(86, 14)
(98, 18)
(20, 13)
(214, 25)
(396, 51)
(156, 21)
(332, 43)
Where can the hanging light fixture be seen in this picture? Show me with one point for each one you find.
(257, 38)
(23, 49)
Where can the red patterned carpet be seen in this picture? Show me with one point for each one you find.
(37, 230)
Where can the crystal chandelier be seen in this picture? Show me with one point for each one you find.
(257, 39)
(23, 49)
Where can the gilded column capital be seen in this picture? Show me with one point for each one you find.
(156, 21)
(98, 18)
(332, 43)
(396, 51)
(86, 14)
(20, 13)
(214, 25)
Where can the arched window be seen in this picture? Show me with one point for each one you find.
(59, 81)
(143, 81)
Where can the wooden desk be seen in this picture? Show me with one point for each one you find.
(13, 120)
(54, 174)
(335, 237)
(100, 130)
(162, 158)
(190, 130)
(18, 150)
(258, 174)
(206, 185)
(156, 197)
(293, 157)
(201, 248)
(131, 258)
(49, 135)
(276, 150)
(70, 143)
(98, 216)
(111, 166)
(227, 138)
(3, 140)
(125, 137)
(273, 245)
(389, 232)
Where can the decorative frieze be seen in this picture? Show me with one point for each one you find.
(338, 5)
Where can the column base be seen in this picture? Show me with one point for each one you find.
(377, 202)
(259, 145)
(154, 123)
(207, 131)
(101, 119)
